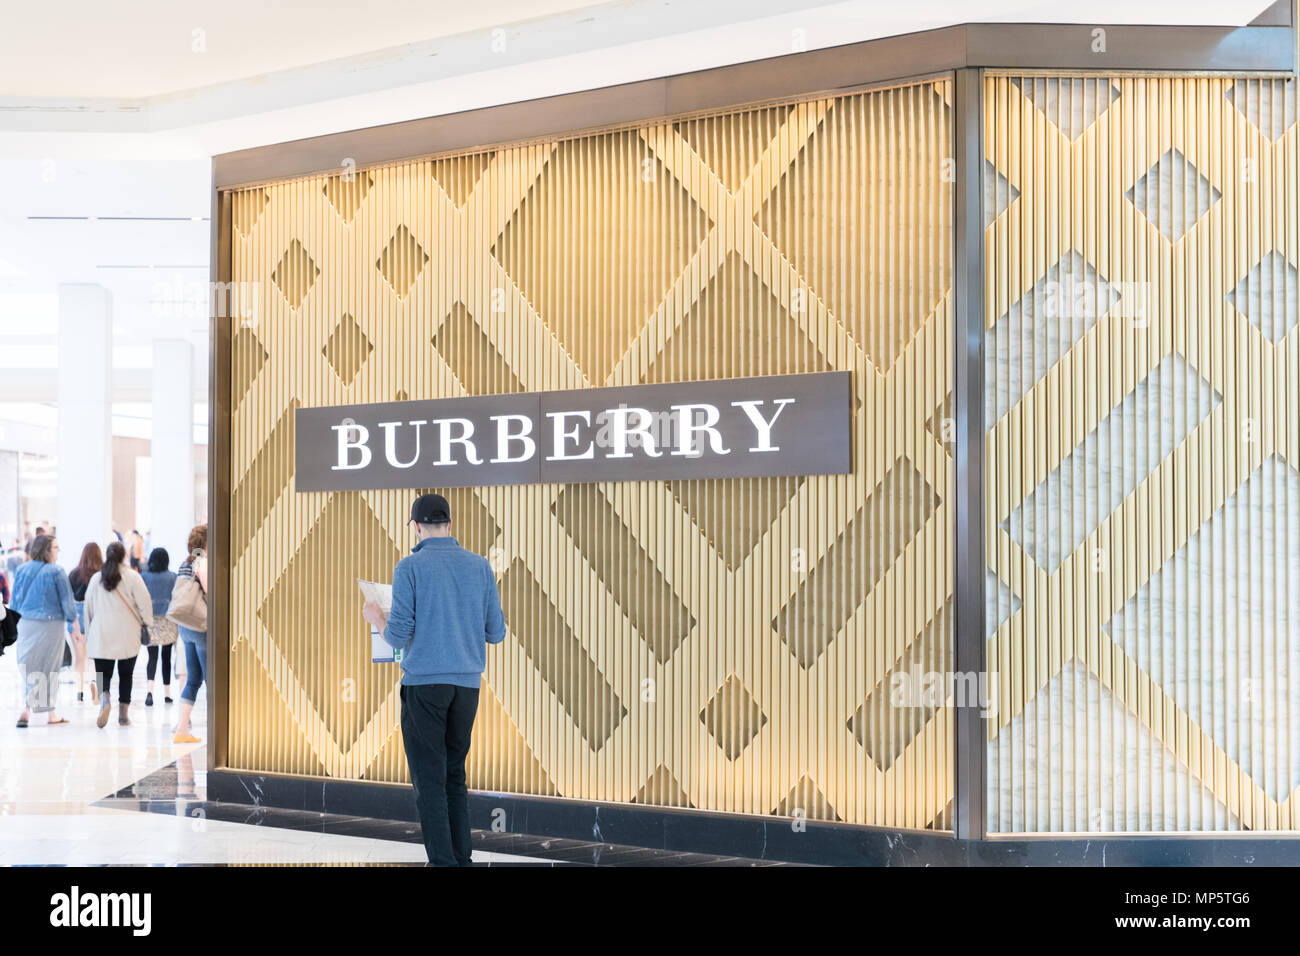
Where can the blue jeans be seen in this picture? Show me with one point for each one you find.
(196, 657)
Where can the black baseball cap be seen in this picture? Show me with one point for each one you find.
(431, 509)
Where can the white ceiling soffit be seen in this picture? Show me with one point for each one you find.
(275, 70)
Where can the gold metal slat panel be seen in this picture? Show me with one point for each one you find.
(1143, 499)
(726, 645)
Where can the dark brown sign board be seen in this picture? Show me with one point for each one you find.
(728, 428)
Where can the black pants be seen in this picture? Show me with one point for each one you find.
(104, 674)
(436, 724)
(151, 667)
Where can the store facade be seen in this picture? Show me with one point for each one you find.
(1021, 603)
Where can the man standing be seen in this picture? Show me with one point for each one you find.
(446, 610)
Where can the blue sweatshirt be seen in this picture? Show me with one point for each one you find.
(446, 610)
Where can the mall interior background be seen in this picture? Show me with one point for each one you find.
(1141, 520)
(103, 353)
(1140, 490)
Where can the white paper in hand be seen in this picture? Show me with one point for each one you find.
(381, 652)
(376, 593)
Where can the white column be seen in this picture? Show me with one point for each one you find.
(85, 440)
(172, 448)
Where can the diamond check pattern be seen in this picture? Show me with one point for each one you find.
(733, 717)
(837, 585)
(1269, 105)
(573, 681)
(1044, 325)
(1251, 640)
(905, 698)
(295, 274)
(402, 261)
(582, 690)
(1173, 195)
(346, 194)
(1155, 584)
(1170, 402)
(1266, 295)
(805, 800)
(1072, 104)
(347, 349)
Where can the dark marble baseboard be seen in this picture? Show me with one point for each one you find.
(741, 836)
(149, 796)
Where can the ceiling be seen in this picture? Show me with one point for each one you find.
(82, 66)
(108, 121)
(87, 48)
(137, 227)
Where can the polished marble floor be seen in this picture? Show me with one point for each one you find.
(60, 787)
(75, 794)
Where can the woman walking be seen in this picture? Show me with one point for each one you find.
(117, 606)
(43, 597)
(196, 642)
(92, 559)
(160, 583)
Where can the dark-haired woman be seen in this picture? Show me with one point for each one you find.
(160, 582)
(117, 606)
(44, 599)
(92, 559)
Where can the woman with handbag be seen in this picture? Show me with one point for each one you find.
(189, 609)
(119, 613)
(160, 583)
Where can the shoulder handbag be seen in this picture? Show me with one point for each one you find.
(9, 628)
(146, 635)
(189, 606)
(163, 632)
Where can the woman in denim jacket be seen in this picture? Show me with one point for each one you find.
(43, 597)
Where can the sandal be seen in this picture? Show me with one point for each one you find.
(22, 721)
(61, 720)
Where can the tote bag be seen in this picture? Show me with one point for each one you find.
(189, 606)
